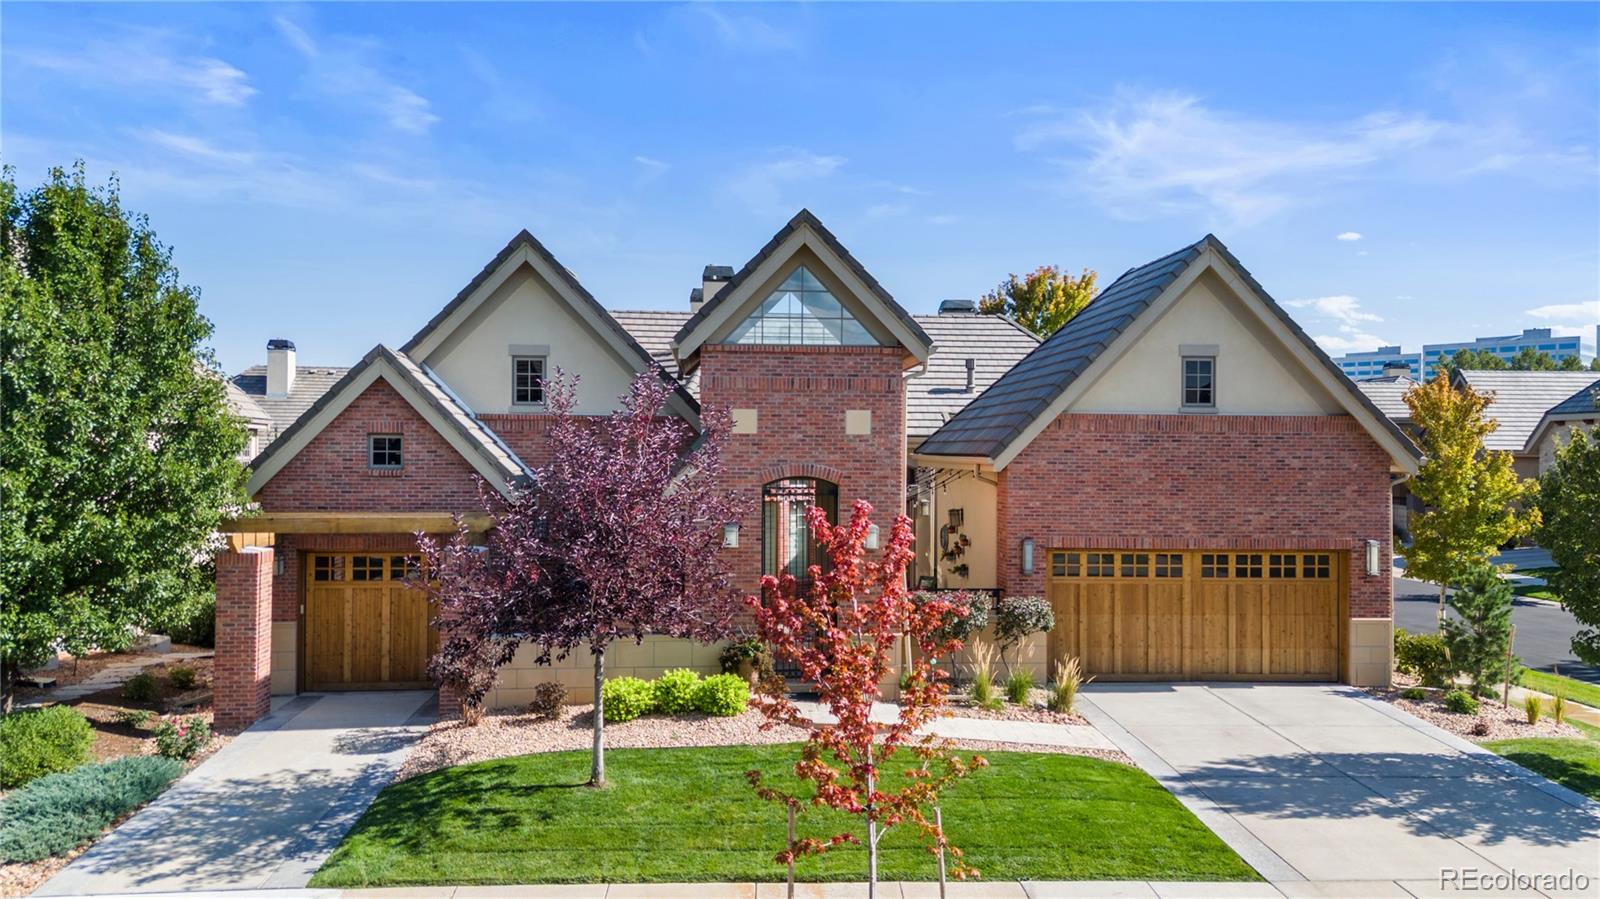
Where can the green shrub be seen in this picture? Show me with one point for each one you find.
(626, 698)
(675, 691)
(37, 742)
(1415, 694)
(747, 651)
(182, 677)
(182, 738)
(1461, 702)
(1018, 686)
(134, 717)
(1425, 655)
(1532, 707)
(722, 695)
(60, 812)
(1558, 707)
(1069, 679)
(193, 622)
(142, 687)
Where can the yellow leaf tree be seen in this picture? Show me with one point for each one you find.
(1475, 501)
(1042, 300)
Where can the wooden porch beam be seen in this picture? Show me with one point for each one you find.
(353, 523)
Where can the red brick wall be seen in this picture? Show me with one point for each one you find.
(527, 435)
(331, 474)
(801, 394)
(1200, 482)
(242, 679)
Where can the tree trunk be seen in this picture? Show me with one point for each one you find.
(597, 769)
(872, 833)
(1441, 605)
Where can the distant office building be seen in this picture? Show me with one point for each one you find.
(1372, 365)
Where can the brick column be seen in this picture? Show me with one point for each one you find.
(243, 668)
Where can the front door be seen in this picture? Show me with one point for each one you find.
(365, 629)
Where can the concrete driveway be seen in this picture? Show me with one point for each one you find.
(266, 810)
(1323, 783)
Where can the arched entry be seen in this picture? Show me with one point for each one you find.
(787, 546)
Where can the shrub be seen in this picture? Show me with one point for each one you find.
(1558, 708)
(626, 698)
(37, 742)
(547, 700)
(182, 677)
(1532, 707)
(193, 622)
(1480, 727)
(675, 691)
(134, 717)
(60, 812)
(182, 737)
(141, 687)
(1018, 686)
(1069, 678)
(722, 695)
(1461, 702)
(1415, 694)
(956, 624)
(983, 675)
(1015, 617)
(1480, 634)
(1425, 655)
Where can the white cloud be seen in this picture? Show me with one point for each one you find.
(340, 68)
(760, 187)
(748, 33)
(1357, 342)
(196, 147)
(652, 164)
(1569, 311)
(146, 60)
(1349, 236)
(1342, 308)
(1350, 321)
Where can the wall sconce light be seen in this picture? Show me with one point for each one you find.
(1372, 558)
(730, 535)
(277, 565)
(872, 536)
(1027, 555)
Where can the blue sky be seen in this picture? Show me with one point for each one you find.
(334, 173)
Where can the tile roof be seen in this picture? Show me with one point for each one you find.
(1585, 402)
(994, 342)
(805, 218)
(1521, 398)
(1388, 394)
(989, 424)
(243, 406)
(310, 383)
(654, 329)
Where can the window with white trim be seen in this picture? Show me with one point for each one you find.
(527, 380)
(383, 451)
(1199, 382)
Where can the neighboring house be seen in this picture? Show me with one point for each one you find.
(283, 389)
(1196, 487)
(1520, 401)
(255, 420)
(1581, 411)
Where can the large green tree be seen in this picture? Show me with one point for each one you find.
(117, 450)
(1474, 498)
(1042, 300)
(1569, 500)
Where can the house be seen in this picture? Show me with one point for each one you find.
(1196, 487)
(1581, 411)
(1521, 402)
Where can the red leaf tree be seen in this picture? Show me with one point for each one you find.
(619, 537)
(843, 636)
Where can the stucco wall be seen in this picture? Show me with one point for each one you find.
(475, 361)
(1553, 440)
(975, 497)
(1255, 374)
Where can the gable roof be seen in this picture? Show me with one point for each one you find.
(310, 383)
(1521, 399)
(916, 338)
(1389, 395)
(1581, 406)
(568, 289)
(480, 446)
(995, 426)
(994, 342)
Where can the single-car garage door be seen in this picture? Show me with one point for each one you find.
(364, 629)
(1192, 615)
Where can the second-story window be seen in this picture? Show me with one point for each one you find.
(527, 380)
(1199, 382)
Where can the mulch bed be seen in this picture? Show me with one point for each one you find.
(1503, 723)
(962, 706)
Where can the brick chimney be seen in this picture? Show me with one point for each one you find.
(280, 367)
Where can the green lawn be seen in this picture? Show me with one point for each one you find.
(689, 815)
(1536, 591)
(1576, 690)
(1572, 762)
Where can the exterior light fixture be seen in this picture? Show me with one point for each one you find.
(872, 536)
(730, 535)
(1027, 555)
(1372, 558)
(277, 565)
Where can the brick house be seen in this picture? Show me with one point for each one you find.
(1193, 484)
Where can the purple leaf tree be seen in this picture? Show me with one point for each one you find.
(619, 537)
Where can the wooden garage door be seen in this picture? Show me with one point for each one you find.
(364, 629)
(1198, 615)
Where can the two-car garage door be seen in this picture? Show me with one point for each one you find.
(1139, 615)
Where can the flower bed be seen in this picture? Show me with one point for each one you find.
(1503, 723)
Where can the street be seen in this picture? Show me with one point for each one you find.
(1544, 630)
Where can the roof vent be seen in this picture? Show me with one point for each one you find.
(958, 307)
(972, 365)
